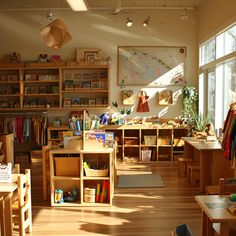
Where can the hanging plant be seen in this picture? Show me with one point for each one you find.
(190, 100)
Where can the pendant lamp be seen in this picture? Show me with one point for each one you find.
(56, 34)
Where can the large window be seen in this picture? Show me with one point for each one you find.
(218, 70)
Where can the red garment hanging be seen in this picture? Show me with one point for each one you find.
(143, 102)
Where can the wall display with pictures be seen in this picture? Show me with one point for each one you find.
(151, 65)
(165, 97)
(127, 97)
(87, 54)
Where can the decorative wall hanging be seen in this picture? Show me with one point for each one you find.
(165, 97)
(151, 66)
(87, 54)
(127, 97)
(143, 102)
(56, 34)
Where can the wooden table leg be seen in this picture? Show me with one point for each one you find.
(2, 218)
(207, 229)
(8, 215)
(224, 229)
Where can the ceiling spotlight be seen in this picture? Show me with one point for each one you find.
(129, 22)
(146, 22)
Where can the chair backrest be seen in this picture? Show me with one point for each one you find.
(227, 186)
(21, 208)
(24, 188)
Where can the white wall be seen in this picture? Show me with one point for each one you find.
(20, 32)
(213, 16)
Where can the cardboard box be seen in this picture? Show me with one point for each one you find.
(67, 166)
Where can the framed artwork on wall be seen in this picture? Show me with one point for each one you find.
(127, 97)
(87, 54)
(165, 97)
(151, 66)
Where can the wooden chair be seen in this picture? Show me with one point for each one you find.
(182, 166)
(22, 208)
(193, 173)
(225, 186)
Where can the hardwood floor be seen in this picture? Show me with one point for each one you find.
(136, 211)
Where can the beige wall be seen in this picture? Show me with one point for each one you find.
(20, 32)
(213, 16)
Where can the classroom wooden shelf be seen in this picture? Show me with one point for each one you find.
(148, 144)
(72, 176)
(45, 86)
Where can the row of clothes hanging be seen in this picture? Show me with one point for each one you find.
(26, 129)
(229, 137)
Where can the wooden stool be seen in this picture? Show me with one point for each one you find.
(193, 172)
(182, 166)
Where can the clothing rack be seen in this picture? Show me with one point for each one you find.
(21, 113)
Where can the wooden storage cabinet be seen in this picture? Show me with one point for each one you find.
(41, 88)
(118, 136)
(55, 135)
(164, 142)
(85, 86)
(147, 144)
(10, 88)
(98, 160)
(67, 172)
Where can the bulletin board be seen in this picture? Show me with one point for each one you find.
(151, 65)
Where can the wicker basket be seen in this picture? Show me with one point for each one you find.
(98, 173)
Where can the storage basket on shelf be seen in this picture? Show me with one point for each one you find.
(98, 173)
(131, 140)
(150, 140)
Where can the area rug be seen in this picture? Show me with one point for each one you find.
(140, 181)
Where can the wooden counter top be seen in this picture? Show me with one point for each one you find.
(207, 145)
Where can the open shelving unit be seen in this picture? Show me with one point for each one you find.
(140, 143)
(45, 86)
(73, 174)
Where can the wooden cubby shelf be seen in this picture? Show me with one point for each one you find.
(148, 143)
(67, 172)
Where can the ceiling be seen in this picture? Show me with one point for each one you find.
(113, 5)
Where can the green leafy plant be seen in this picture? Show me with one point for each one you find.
(198, 122)
(122, 111)
(190, 100)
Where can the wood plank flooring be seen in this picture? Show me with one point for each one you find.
(136, 211)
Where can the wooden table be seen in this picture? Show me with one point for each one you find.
(210, 156)
(214, 210)
(6, 191)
